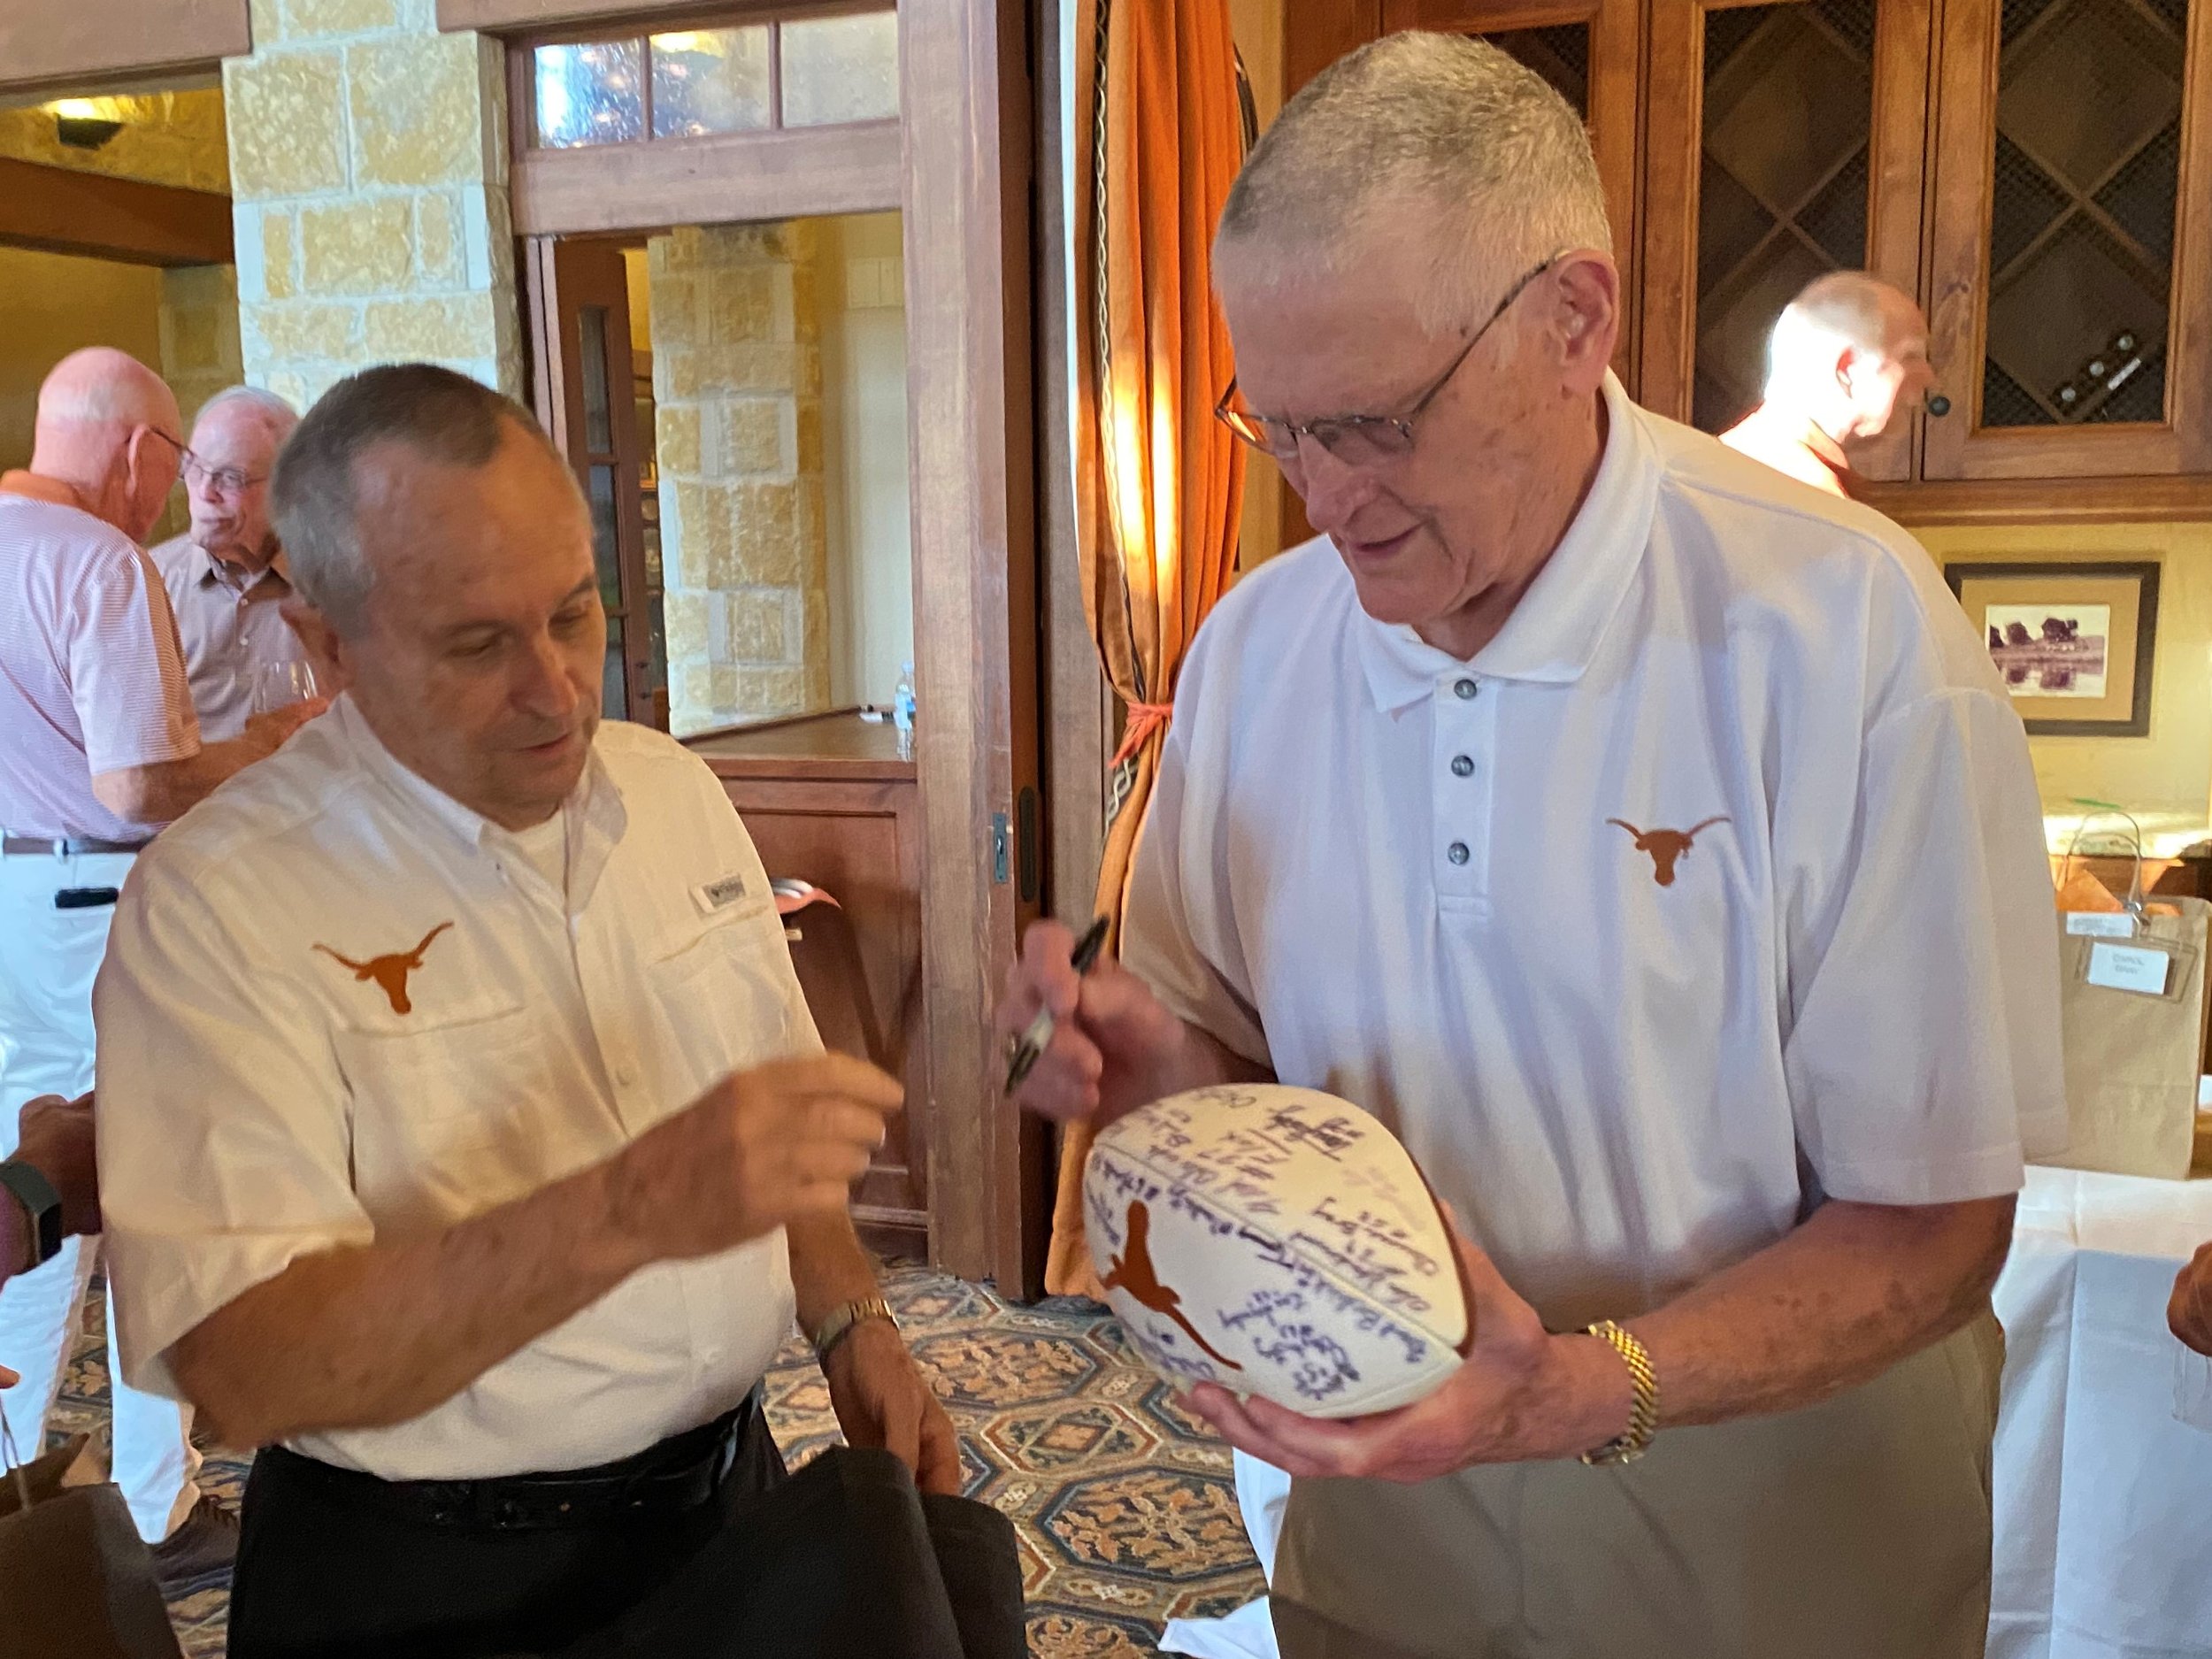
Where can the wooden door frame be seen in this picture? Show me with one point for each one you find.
(1673, 149)
(966, 175)
(1963, 150)
(559, 403)
(60, 46)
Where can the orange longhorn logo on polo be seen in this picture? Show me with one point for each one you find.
(1667, 848)
(390, 972)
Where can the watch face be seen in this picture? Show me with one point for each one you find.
(43, 1204)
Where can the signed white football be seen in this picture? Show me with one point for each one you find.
(1277, 1241)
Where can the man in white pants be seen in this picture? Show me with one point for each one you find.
(98, 747)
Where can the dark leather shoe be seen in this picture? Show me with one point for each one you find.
(203, 1547)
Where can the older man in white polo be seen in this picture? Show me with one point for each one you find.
(225, 576)
(1649, 843)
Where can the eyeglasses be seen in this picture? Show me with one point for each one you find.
(224, 481)
(175, 444)
(1362, 440)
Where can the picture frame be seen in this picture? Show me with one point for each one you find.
(2074, 641)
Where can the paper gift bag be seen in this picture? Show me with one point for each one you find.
(75, 1577)
(2131, 997)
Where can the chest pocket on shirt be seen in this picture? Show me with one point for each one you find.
(721, 994)
(440, 1112)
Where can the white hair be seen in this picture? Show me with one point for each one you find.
(276, 413)
(1843, 308)
(1441, 126)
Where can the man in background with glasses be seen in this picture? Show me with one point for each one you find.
(225, 576)
(1649, 842)
(98, 748)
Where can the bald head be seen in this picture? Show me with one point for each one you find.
(1846, 352)
(107, 427)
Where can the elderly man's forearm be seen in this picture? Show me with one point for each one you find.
(367, 1336)
(164, 791)
(1198, 1059)
(1837, 1302)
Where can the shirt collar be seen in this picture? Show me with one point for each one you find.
(212, 570)
(597, 799)
(1554, 633)
(39, 488)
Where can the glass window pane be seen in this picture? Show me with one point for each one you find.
(840, 69)
(591, 93)
(1788, 123)
(710, 81)
(591, 327)
(605, 545)
(614, 681)
(2084, 183)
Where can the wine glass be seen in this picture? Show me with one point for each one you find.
(281, 684)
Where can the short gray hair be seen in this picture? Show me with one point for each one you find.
(276, 412)
(442, 415)
(1451, 124)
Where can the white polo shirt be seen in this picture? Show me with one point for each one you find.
(1628, 1062)
(262, 1099)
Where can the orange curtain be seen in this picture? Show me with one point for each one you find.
(1165, 139)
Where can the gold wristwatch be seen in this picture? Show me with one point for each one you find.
(834, 1330)
(1643, 1411)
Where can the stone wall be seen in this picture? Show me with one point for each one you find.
(737, 383)
(368, 159)
(167, 138)
(200, 351)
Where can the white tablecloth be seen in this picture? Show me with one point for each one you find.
(2103, 1498)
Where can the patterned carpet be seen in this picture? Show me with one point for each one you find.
(1124, 1503)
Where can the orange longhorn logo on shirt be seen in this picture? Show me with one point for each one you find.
(390, 972)
(1134, 1273)
(1667, 848)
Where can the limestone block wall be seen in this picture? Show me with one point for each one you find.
(737, 383)
(368, 161)
(200, 349)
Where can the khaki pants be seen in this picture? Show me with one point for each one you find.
(1856, 1529)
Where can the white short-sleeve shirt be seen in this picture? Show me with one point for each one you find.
(1716, 882)
(336, 1004)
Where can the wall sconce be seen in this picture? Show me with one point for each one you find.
(79, 123)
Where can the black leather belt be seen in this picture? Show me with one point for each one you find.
(66, 847)
(680, 1473)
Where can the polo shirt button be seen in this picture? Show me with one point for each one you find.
(1457, 852)
(1465, 690)
(1462, 767)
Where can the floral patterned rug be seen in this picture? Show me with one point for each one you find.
(1124, 1503)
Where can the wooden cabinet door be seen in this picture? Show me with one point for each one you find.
(1782, 142)
(1591, 51)
(2070, 248)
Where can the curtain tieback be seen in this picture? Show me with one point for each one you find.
(1144, 720)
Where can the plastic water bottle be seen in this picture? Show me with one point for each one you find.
(903, 711)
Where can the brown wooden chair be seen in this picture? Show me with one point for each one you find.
(827, 958)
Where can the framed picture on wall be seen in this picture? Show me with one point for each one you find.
(2073, 642)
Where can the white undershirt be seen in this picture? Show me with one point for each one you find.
(546, 847)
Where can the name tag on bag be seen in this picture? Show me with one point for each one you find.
(2142, 969)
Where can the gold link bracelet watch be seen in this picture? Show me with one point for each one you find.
(834, 1330)
(1643, 1411)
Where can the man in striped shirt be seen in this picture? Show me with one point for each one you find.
(98, 747)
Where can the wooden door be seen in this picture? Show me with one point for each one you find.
(2070, 255)
(1782, 142)
(584, 389)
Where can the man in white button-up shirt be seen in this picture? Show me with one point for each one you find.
(1647, 840)
(466, 1143)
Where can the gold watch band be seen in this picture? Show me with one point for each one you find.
(1643, 1411)
(834, 1330)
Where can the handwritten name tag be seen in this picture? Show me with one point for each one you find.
(2101, 923)
(2129, 968)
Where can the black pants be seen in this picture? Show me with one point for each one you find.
(334, 1564)
(844, 1560)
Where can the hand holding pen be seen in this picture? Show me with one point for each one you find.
(1083, 1034)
